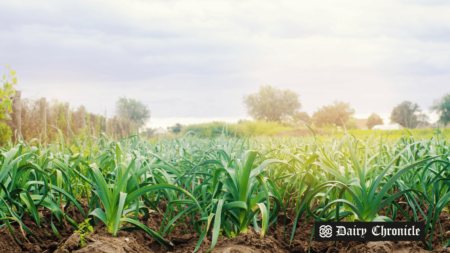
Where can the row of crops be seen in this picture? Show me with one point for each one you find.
(224, 186)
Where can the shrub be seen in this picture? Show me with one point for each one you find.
(6, 93)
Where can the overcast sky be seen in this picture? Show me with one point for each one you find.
(193, 61)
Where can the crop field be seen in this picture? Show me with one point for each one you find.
(190, 194)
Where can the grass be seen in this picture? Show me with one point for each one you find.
(221, 184)
(271, 129)
(245, 128)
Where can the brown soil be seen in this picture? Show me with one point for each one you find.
(7, 243)
(139, 241)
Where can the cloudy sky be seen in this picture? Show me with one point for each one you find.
(193, 61)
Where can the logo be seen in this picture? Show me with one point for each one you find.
(325, 231)
(369, 231)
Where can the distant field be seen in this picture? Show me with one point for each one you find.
(270, 129)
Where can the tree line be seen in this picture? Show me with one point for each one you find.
(269, 104)
(273, 104)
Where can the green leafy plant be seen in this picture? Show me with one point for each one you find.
(232, 234)
(224, 186)
(6, 93)
(120, 195)
(84, 229)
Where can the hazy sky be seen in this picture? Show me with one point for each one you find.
(193, 61)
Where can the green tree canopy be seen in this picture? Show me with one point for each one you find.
(176, 128)
(337, 113)
(270, 103)
(133, 110)
(405, 114)
(442, 107)
(373, 120)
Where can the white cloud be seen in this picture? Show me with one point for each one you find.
(196, 59)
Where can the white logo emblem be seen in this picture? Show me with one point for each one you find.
(325, 231)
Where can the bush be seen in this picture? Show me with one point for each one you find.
(6, 93)
(241, 129)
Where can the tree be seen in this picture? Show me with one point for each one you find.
(303, 116)
(149, 131)
(176, 128)
(337, 113)
(405, 114)
(270, 103)
(442, 107)
(373, 120)
(422, 120)
(133, 110)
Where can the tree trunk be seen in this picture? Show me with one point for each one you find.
(17, 114)
(66, 129)
(115, 126)
(43, 112)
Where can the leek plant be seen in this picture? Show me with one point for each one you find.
(224, 185)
